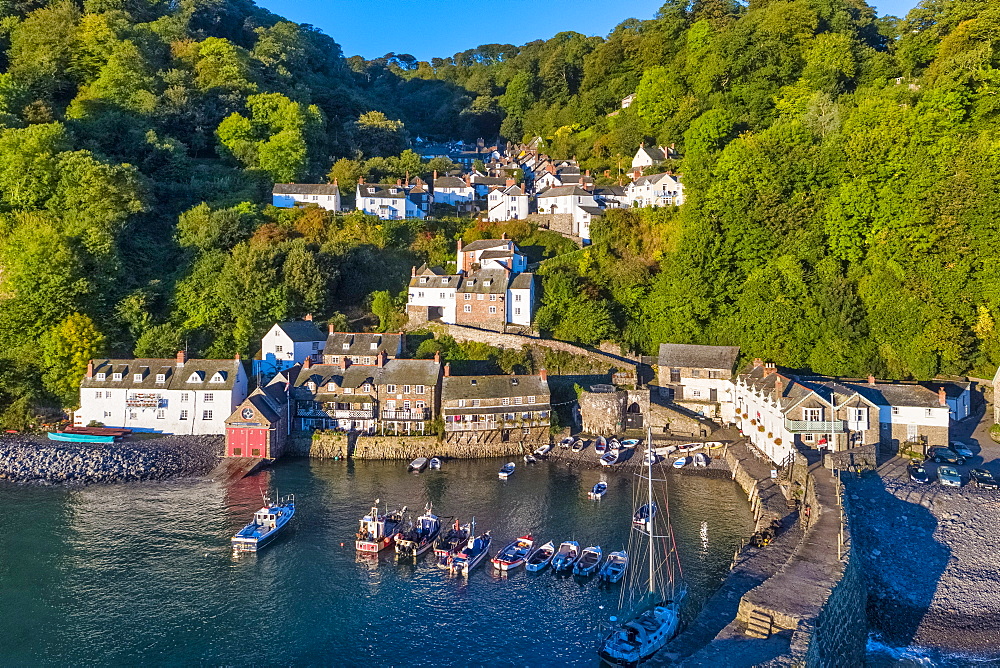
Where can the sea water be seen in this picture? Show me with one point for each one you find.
(143, 573)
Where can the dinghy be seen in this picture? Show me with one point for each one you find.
(701, 459)
(540, 558)
(566, 442)
(418, 464)
(566, 556)
(598, 492)
(590, 560)
(630, 442)
(507, 470)
(435, 464)
(643, 517)
(614, 444)
(579, 445)
(514, 554)
(529, 459)
(680, 462)
(610, 458)
(601, 445)
(543, 450)
(614, 567)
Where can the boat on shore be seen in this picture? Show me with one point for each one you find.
(614, 444)
(654, 616)
(566, 556)
(420, 537)
(701, 460)
(543, 450)
(540, 558)
(614, 567)
(475, 550)
(601, 445)
(650, 457)
(630, 442)
(79, 438)
(506, 471)
(598, 491)
(376, 531)
(680, 462)
(267, 523)
(590, 561)
(529, 459)
(449, 542)
(578, 445)
(610, 458)
(566, 442)
(514, 555)
(435, 464)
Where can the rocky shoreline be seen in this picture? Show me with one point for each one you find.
(37, 460)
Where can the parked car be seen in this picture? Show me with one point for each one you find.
(948, 476)
(983, 478)
(918, 473)
(942, 455)
(962, 449)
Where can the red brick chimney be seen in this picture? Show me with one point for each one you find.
(361, 180)
(942, 397)
(237, 357)
(468, 181)
(437, 356)
(544, 375)
(90, 368)
(871, 380)
(308, 317)
(435, 175)
(308, 363)
(779, 385)
(182, 357)
(381, 359)
(447, 370)
(757, 362)
(511, 182)
(770, 368)
(329, 328)
(344, 362)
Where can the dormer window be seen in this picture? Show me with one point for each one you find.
(488, 282)
(161, 378)
(311, 385)
(423, 280)
(137, 378)
(102, 376)
(367, 387)
(394, 191)
(348, 390)
(513, 381)
(116, 376)
(331, 386)
(347, 346)
(218, 377)
(371, 191)
(473, 381)
(196, 377)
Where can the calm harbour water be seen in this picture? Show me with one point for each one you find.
(143, 574)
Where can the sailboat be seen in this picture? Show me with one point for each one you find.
(655, 596)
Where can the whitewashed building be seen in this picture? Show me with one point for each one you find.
(453, 190)
(574, 200)
(287, 344)
(169, 396)
(655, 190)
(521, 299)
(699, 378)
(507, 203)
(393, 202)
(323, 195)
(431, 292)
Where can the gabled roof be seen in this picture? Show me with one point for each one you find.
(561, 191)
(360, 344)
(522, 281)
(409, 372)
(484, 244)
(354, 376)
(486, 281)
(301, 330)
(495, 387)
(653, 152)
(610, 191)
(436, 278)
(654, 179)
(450, 182)
(592, 210)
(305, 189)
(699, 357)
(176, 377)
(382, 190)
(495, 254)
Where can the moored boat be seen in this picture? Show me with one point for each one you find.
(543, 450)
(421, 536)
(650, 457)
(435, 464)
(566, 442)
(506, 471)
(644, 516)
(376, 530)
(680, 462)
(700, 459)
(529, 459)
(451, 541)
(265, 526)
(540, 558)
(475, 550)
(610, 458)
(614, 566)
(566, 556)
(590, 561)
(598, 491)
(418, 464)
(514, 555)
(601, 445)
(578, 445)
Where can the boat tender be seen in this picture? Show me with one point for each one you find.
(680, 462)
(475, 550)
(435, 464)
(614, 567)
(630, 442)
(644, 517)
(590, 561)
(566, 556)
(514, 555)
(601, 445)
(418, 464)
(610, 458)
(598, 491)
(266, 525)
(506, 471)
(578, 445)
(540, 558)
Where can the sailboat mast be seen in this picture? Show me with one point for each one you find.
(649, 502)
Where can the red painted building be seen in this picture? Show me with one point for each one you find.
(260, 425)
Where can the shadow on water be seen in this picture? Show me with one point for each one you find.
(903, 562)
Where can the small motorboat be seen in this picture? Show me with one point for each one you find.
(578, 445)
(514, 555)
(601, 445)
(701, 459)
(507, 470)
(529, 459)
(590, 561)
(614, 567)
(609, 458)
(643, 518)
(614, 444)
(630, 442)
(450, 542)
(418, 464)
(543, 450)
(566, 556)
(566, 442)
(267, 523)
(540, 558)
(435, 464)
(598, 492)
(680, 462)
(472, 554)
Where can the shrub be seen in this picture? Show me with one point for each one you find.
(995, 432)
(760, 428)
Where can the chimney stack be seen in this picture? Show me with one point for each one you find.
(308, 317)
(182, 357)
(435, 175)
(459, 260)
(468, 181)
(308, 363)
(779, 385)
(510, 182)
(361, 180)
(942, 397)
(90, 368)
(871, 380)
(399, 182)
(413, 270)
(757, 362)
(344, 362)
(329, 328)
(503, 236)
(437, 356)
(381, 359)
(447, 370)
(770, 368)
(544, 375)
(237, 357)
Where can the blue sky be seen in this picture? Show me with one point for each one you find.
(428, 28)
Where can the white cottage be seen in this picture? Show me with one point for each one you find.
(453, 190)
(574, 200)
(507, 203)
(393, 202)
(324, 195)
(655, 190)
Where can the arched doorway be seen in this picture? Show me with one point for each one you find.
(633, 416)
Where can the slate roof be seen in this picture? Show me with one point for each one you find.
(610, 191)
(409, 372)
(654, 179)
(654, 153)
(560, 191)
(450, 182)
(301, 331)
(359, 343)
(495, 254)
(489, 180)
(305, 189)
(485, 281)
(593, 210)
(383, 190)
(176, 376)
(260, 403)
(522, 281)
(354, 376)
(494, 387)
(484, 244)
(436, 280)
(698, 357)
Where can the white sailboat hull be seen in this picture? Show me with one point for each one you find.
(641, 637)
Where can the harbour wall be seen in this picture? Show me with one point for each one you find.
(336, 445)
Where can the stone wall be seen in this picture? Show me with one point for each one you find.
(602, 412)
(556, 222)
(337, 445)
(863, 458)
(663, 417)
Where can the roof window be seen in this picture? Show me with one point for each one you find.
(101, 376)
(218, 377)
(196, 377)
(116, 376)
(137, 378)
(373, 345)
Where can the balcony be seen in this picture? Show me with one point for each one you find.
(816, 426)
(353, 414)
(488, 426)
(415, 414)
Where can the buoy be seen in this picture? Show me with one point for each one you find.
(342, 545)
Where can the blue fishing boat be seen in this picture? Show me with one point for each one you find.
(266, 525)
(79, 438)
(474, 552)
